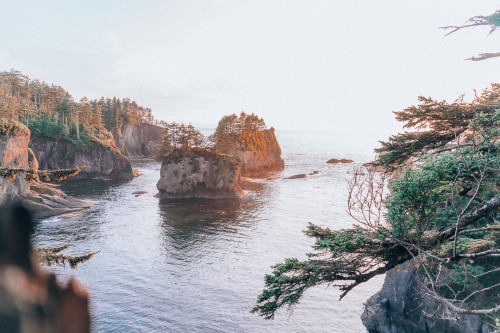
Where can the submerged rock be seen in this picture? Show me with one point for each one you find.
(336, 161)
(298, 176)
(94, 159)
(199, 173)
(400, 307)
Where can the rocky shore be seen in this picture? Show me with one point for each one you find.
(94, 159)
(42, 199)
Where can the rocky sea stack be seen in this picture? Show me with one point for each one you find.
(248, 137)
(15, 185)
(199, 173)
(260, 153)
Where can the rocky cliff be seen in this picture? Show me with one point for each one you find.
(139, 140)
(42, 199)
(260, 153)
(400, 307)
(199, 173)
(95, 160)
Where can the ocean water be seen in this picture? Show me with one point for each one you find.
(199, 266)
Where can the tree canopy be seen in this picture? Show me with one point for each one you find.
(232, 131)
(51, 110)
(442, 212)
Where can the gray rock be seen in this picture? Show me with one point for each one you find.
(94, 160)
(400, 306)
(298, 176)
(140, 140)
(199, 174)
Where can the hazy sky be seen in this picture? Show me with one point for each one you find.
(327, 65)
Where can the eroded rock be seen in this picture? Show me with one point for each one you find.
(199, 173)
(400, 307)
(95, 160)
(298, 176)
(140, 140)
(336, 161)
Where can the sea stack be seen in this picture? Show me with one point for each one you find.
(247, 136)
(199, 173)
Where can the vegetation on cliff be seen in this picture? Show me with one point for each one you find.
(239, 133)
(51, 111)
(442, 213)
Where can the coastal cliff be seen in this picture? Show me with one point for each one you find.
(199, 173)
(400, 307)
(41, 199)
(139, 140)
(259, 151)
(94, 159)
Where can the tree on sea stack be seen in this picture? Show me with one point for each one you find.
(180, 136)
(233, 132)
(441, 215)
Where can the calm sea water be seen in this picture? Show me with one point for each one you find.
(199, 266)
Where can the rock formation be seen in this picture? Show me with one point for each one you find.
(298, 176)
(400, 306)
(94, 159)
(139, 140)
(260, 153)
(199, 173)
(42, 199)
(342, 160)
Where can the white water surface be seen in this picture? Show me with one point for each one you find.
(198, 267)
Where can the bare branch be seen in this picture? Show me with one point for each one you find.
(487, 253)
(484, 56)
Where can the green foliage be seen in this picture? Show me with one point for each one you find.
(436, 124)
(180, 136)
(49, 128)
(239, 133)
(442, 212)
(465, 274)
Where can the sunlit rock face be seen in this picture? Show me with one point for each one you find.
(199, 173)
(140, 140)
(41, 199)
(95, 160)
(14, 139)
(260, 154)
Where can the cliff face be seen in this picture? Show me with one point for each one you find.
(94, 160)
(199, 174)
(400, 306)
(14, 139)
(140, 140)
(260, 153)
(41, 199)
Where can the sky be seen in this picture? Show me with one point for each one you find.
(330, 65)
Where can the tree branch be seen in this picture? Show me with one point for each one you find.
(484, 56)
